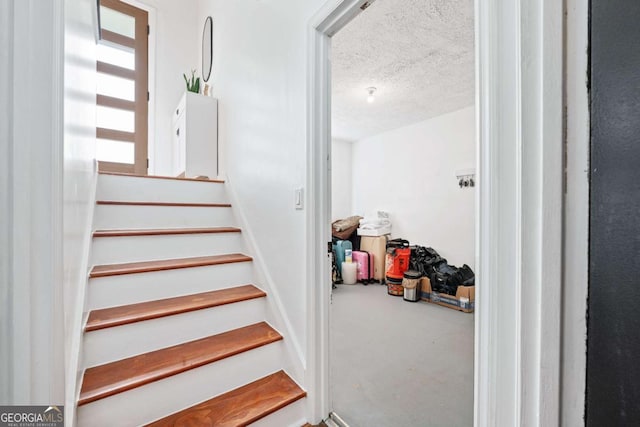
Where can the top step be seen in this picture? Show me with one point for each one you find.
(177, 178)
(125, 187)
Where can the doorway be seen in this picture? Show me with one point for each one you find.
(403, 165)
(122, 89)
(519, 116)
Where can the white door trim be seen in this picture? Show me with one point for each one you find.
(520, 72)
(576, 215)
(151, 8)
(519, 95)
(331, 17)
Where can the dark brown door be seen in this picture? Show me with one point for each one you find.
(122, 101)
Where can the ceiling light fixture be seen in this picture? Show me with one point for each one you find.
(371, 90)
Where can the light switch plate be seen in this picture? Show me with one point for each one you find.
(299, 198)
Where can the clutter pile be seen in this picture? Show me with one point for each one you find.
(363, 253)
(443, 283)
(368, 250)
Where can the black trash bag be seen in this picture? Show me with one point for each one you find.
(445, 278)
(423, 259)
(466, 276)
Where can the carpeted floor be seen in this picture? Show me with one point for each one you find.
(399, 364)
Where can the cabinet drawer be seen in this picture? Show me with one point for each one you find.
(180, 108)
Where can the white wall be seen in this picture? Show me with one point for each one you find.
(79, 173)
(410, 172)
(175, 44)
(31, 212)
(260, 58)
(341, 182)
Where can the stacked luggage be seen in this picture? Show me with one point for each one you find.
(376, 247)
(369, 258)
(343, 253)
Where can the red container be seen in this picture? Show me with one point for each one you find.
(394, 287)
(397, 262)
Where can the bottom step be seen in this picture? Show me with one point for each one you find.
(239, 407)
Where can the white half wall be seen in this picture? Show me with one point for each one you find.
(341, 179)
(79, 174)
(410, 172)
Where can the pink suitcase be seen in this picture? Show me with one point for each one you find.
(365, 265)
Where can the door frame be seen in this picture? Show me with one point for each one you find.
(140, 135)
(151, 8)
(519, 209)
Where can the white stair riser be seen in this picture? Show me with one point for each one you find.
(293, 415)
(126, 188)
(140, 216)
(119, 342)
(114, 250)
(158, 399)
(126, 289)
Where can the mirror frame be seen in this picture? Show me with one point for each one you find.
(207, 36)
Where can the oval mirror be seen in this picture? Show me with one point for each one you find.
(207, 48)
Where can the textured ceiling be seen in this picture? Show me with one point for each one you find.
(419, 54)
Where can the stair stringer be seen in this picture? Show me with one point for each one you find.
(276, 315)
(74, 369)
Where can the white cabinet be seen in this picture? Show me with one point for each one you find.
(195, 136)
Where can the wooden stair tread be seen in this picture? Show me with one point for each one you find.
(122, 375)
(163, 231)
(122, 315)
(166, 264)
(164, 204)
(217, 181)
(241, 406)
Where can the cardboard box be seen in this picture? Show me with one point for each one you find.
(464, 300)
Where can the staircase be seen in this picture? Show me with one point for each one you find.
(176, 333)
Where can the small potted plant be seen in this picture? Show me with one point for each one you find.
(193, 84)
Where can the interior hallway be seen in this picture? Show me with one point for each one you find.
(399, 364)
